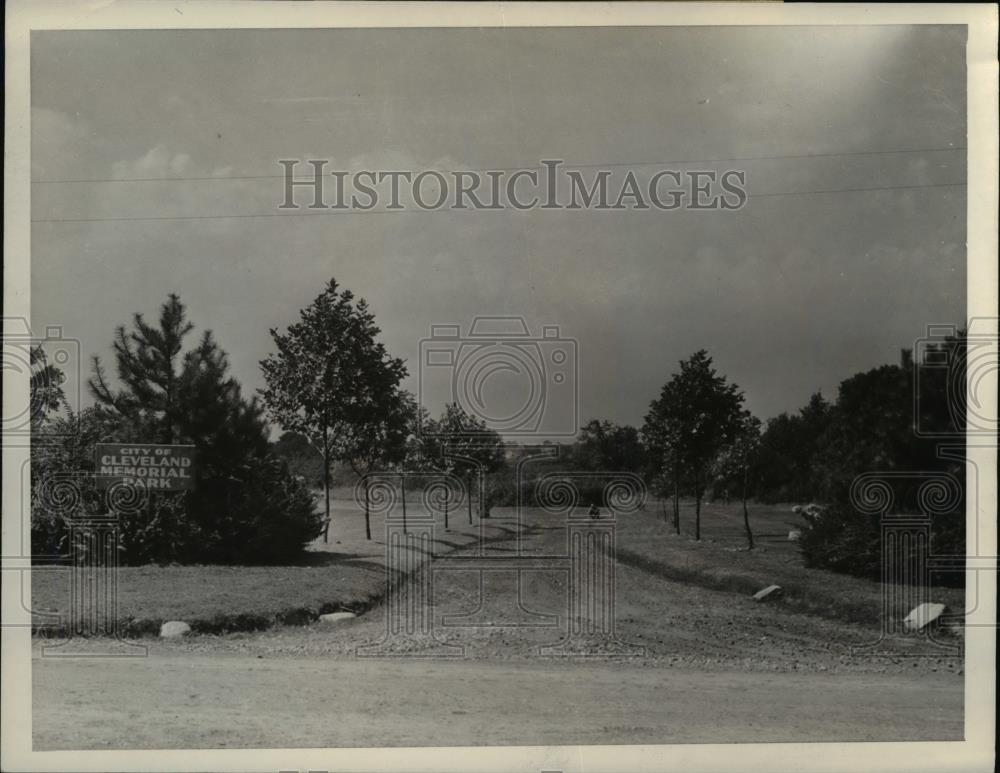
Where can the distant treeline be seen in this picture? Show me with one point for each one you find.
(335, 393)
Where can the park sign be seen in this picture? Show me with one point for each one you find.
(155, 467)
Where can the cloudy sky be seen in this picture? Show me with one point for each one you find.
(790, 295)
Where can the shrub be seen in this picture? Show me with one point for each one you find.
(62, 455)
(844, 540)
(263, 514)
(259, 513)
(502, 490)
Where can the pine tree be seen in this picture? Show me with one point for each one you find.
(172, 397)
(168, 395)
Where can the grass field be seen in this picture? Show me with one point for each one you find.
(349, 573)
(720, 561)
(346, 574)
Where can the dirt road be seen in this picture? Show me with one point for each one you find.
(232, 701)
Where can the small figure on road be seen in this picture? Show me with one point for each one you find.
(593, 512)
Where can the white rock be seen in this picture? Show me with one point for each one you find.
(794, 535)
(770, 592)
(174, 629)
(336, 617)
(922, 616)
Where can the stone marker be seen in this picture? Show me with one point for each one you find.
(769, 593)
(922, 616)
(794, 535)
(336, 617)
(173, 629)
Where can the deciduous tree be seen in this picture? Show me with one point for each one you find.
(737, 462)
(330, 377)
(698, 412)
(462, 444)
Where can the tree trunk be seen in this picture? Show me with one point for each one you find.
(402, 491)
(484, 497)
(677, 500)
(326, 488)
(468, 496)
(368, 525)
(746, 515)
(447, 496)
(697, 507)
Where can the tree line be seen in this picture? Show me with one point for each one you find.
(336, 393)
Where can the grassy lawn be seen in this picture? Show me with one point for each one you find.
(218, 598)
(721, 561)
(346, 574)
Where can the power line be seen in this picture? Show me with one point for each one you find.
(857, 190)
(800, 156)
(774, 158)
(330, 213)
